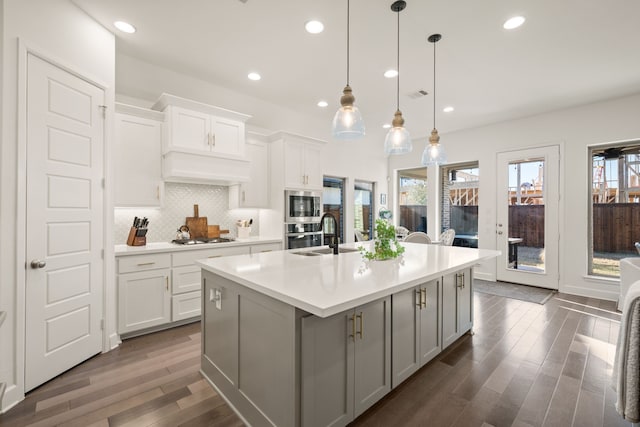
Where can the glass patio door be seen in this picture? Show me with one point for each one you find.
(527, 216)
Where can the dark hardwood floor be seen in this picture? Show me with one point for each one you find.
(526, 365)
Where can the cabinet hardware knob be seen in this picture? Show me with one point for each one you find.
(38, 263)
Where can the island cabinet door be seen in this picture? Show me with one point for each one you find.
(372, 356)
(220, 330)
(429, 318)
(457, 305)
(450, 326)
(327, 370)
(405, 345)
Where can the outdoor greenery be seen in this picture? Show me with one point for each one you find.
(386, 245)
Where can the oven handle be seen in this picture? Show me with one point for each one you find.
(308, 233)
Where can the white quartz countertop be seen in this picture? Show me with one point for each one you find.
(158, 247)
(328, 284)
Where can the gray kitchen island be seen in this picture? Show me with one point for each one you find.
(291, 339)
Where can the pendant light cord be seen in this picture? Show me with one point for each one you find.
(434, 84)
(348, 19)
(398, 66)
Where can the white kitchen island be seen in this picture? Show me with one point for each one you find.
(293, 340)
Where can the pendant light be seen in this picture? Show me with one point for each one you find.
(433, 154)
(398, 140)
(347, 123)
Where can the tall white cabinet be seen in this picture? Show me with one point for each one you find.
(137, 157)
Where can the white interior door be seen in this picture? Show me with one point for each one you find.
(64, 217)
(527, 216)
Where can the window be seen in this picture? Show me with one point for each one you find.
(459, 211)
(333, 201)
(363, 197)
(615, 207)
(412, 198)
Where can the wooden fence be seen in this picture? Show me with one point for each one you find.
(616, 227)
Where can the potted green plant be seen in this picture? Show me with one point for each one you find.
(385, 244)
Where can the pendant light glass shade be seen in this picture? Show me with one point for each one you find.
(347, 123)
(398, 140)
(434, 154)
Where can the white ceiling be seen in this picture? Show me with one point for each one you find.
(568, 52)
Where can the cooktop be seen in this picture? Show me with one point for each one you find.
(201, 240)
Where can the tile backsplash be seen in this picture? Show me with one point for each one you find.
(212, 201)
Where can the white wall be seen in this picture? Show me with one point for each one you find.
(141, 83)
(63, 33)
(574, 130)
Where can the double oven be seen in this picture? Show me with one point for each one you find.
(303, 210)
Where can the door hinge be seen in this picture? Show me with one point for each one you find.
(102, 324)
(104, 110)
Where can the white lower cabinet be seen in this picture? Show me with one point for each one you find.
(457, 307)
(415, 323)
(345, 363)
(187, 279)
(144, 292)
(157, 289)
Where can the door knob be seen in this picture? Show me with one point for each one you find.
(37, 263)
(499, 232)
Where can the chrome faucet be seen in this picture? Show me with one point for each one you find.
(335, 239)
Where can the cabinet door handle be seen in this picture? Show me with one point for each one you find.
(158, 192)
(167, 283)
(423, 297)
(352, 319)
(141, 264)
(361, 331)
(213, 139)
(214, 256)
(243, 196)
(419, 298)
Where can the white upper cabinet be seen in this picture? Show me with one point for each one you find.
(137, 157)
(255, 192)
(203, 144)
(296, 161)
(194, 130)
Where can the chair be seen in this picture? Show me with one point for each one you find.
(447, 237)
(418, 237)
(359, 236)
(402, 232)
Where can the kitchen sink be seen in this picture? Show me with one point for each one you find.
(323, 251)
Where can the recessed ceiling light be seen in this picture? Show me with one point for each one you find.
(390, 74)
(125, 27)
(448, 109)
(314, 27)
(322, 104)
(512, 23)
(386, 126)
(254, 76)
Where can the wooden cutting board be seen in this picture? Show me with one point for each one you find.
(197, 224)
(214, 231)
